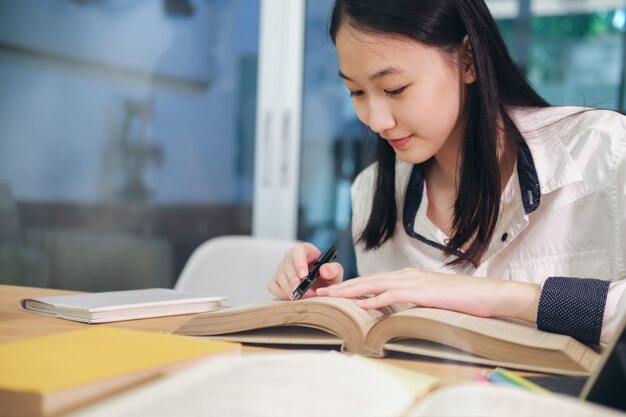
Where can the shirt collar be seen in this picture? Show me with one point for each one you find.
(543, 162)
(542, 130)
(412, 201)
(529, 187)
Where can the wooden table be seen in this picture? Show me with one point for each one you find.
(18, 324)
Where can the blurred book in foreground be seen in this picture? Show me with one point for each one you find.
(50, 375)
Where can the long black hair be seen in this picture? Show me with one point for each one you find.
(499, 83)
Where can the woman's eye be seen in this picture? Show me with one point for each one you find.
(395, 92)
(357, 93)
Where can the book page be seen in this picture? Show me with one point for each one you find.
(504, 341)
(487, 400)
(515, 331)
(315, 384)
(287, 335)
(338, 316)
(448, 353)
(365, 319)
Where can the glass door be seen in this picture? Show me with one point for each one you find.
(278, 119)
(126, 137)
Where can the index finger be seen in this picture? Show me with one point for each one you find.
(303, 254)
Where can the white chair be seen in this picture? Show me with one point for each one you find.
(237, 267)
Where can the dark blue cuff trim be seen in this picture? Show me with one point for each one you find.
(573, 306)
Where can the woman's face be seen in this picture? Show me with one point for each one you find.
(412, 95)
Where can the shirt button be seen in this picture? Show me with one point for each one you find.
(504, 237)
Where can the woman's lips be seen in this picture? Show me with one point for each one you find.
(399, 143)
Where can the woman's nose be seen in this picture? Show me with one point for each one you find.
(380, 116)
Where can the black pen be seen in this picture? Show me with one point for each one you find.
(329, 255)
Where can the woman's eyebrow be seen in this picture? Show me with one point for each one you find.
(381, 73)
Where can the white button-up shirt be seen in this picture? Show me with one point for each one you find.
(562, 214)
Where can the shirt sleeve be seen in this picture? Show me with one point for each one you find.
(573, 306)
(591, 310)
(615, 308)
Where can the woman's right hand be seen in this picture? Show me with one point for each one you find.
(296, 265)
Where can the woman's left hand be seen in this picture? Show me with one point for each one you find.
(484, 297)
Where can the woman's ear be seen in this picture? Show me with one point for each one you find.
(469, 73)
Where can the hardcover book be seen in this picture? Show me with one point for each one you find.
(51, 375)
(104, 307)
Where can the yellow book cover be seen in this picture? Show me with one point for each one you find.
(49, 375)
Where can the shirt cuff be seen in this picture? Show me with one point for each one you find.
(573, 306)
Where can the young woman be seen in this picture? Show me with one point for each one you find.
(483, 198)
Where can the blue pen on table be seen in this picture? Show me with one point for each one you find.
(329, 255)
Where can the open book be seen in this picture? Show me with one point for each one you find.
(401, 328)
(276, 384)
(342, 387)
